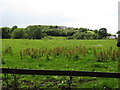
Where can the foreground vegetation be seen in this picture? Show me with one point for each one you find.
(61, 54)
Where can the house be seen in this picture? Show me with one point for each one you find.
(70, 28)
(62, 27)
(111, 37)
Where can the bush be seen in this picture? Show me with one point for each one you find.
(5, 32)
(83, 35)
(35, 32)
(18, 33)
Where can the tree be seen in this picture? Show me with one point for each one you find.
(83, 35)
(102, 33)
(18, 33)
(118, 32)
(109, 34)
(96, 31)
(5, 32)
(13, 28)
(70, 33)
(118, 37)
(34, 32)
(83, 29)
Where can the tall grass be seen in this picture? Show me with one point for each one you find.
(76, 52)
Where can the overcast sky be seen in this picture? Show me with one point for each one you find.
(91, 14)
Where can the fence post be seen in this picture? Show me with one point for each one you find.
(70, 81)
(15, 80)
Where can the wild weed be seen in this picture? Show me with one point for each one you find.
(8, 50)
(75, 53)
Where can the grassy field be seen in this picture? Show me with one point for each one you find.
(61, 54)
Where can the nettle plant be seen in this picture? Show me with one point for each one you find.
(75, 53)
(8, 50)
(103, 56)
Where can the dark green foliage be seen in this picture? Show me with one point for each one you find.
(70, 33)
(40, 31)
(96, 31)
(109, 34)
(13, 28)
(83, 29)
(83, 35)
(56, 32)
(18, 33)
(5, 32)
(34, 32)
(118, 43)
(102, 33)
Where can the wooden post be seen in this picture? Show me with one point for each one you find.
(70, 81)
(15, 80)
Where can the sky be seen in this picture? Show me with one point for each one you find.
(91, 14)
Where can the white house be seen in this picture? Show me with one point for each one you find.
(111, 37)
(62, 27)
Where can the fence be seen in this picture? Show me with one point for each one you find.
(59, 73)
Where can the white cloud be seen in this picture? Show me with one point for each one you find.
(92, 14)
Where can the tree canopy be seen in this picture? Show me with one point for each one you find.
(40, 31)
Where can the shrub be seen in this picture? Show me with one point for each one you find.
(8, 50)
(18, 33)
(83, 35)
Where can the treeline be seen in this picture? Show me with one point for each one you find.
(41, 31)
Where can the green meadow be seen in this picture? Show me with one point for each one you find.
(61, 54)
